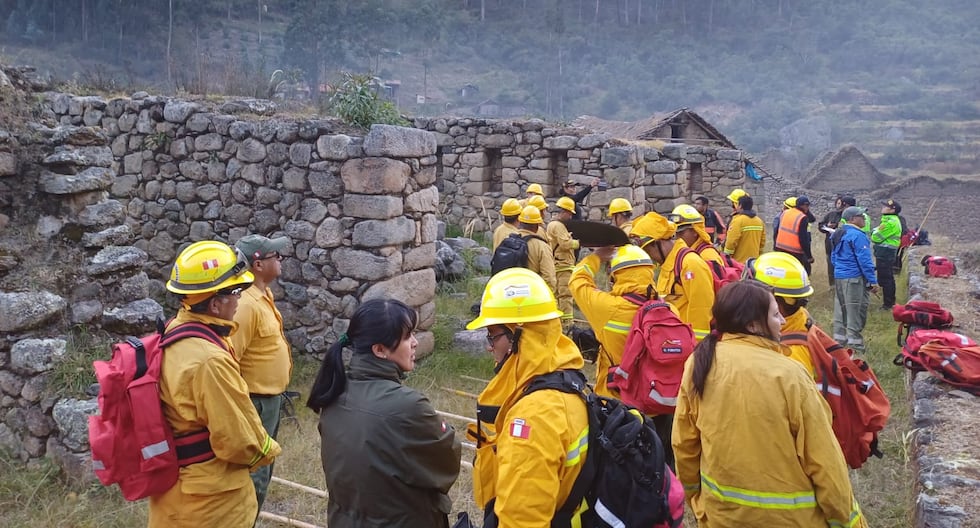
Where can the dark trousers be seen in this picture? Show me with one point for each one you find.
(664, 424)
(885, 262)
(268, 408)
(828, 249)
(805, 261)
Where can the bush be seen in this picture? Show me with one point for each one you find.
(357, 103)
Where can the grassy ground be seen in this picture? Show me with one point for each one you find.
(38, 496)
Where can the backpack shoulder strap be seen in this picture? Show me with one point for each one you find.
(793, 338)
(193, 329)
(529, 237)
(678, 263)
(635, 298)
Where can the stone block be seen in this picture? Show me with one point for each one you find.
(429, 229)
(378, 233)
(372, 206)
(414, 288)
(729, 154)
(8, 164)
(619, 176)
(421, 257)
(662, 167)
(400, 142)
(662, 191)
(619, 156)
(579, 154)
(541, 163)
(102, 214)
(513, 162)
(208, 143)
(179, 111)
(425, 176)
(664, 179)
(724, 165)
(326, 184)
(509, 175)
(474, 159)
(251, 150)
(333, 147)
(424, 201)
(366, 265)
(536, 176)
(375, 175)
(494, 140)
(675, 150)
(560, 142)
(329, 234)
(90, 179)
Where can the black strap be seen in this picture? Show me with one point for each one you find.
(193, 329)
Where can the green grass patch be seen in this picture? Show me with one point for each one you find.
(74, 373)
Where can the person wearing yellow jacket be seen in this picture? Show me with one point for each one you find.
(752, 435)
(746, 232)
(621, 213)
(532, 190)
(563, 247)
(609, 313)
(690, 229)
(539, 202)
(510, 210)
(527, 469)
(791, 286)
(540, 259)
(201, 388)
(690, 289)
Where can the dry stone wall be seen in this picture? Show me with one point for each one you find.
(482, 162)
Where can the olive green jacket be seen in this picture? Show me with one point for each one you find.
(389, 459)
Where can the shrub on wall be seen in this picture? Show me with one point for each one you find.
(357, 103)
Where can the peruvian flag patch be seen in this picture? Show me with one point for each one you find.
(210, 264)
(688, 275)
(519, 429)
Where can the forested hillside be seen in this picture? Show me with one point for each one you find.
(750, 66)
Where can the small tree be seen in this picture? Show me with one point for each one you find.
(357, 103)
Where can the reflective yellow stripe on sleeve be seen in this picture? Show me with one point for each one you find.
(577, 448)
(617, 327)
(751, 228)
(761, 499)
(266, 446)
(700, 334)
(854, 519)
(585, 268)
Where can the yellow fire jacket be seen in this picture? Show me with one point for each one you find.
(608, 313)
(757, 448)
(695, 295)
(627, 227)
(540, 259)
(746, 237)
(541, 440)
(201, 388)
(260, 344)
(563, 246)
(503, 231)
(796, 324)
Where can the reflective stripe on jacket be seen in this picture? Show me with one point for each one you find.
(780, 467)
(788, 235)
(889, 232)
(746, 237)
(563, 246)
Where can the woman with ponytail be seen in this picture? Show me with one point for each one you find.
(388, 458)
(752, 436)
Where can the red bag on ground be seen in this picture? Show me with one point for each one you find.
(909, 356)
(958, 366)
(859, 405)
(132, 443)
(922, 313)
(658, 344)
(939, 266)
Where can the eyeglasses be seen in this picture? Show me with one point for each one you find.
(274, 255)
(236, 291)
(492, 338)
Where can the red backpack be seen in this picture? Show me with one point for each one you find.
(920, 314)
(658, 344)
(859, 405)
(958, 366)
(720, 275)
(938, 266)
(909, 356)
(132, 443)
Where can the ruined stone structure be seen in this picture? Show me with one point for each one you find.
(482, 162)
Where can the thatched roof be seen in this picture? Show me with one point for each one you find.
(649, 128)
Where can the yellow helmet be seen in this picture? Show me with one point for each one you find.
(619, 205)
(782, 272)
(538, 201)
(535, 188)
(515, 295)
(530, 215)
(685, 214)
(511, 207)
(790, 202)
(650, 227)
(628, 256)
(208, 266)
(736, 194)
(566, 203)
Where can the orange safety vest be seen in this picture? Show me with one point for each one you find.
(788, 235)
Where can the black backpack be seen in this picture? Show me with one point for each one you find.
(511, 253)
(625, 471)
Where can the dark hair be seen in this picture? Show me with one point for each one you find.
(848, 200)
(511, 219)
(745, 202)
(737, 306)
(701, 199)
(378, 321)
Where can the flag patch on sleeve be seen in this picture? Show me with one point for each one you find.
(519, 429)
(688, 275)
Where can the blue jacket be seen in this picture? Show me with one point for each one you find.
(852, 256)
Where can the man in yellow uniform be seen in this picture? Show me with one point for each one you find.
(563, 247)
(691, 288)
(540, 259)
(527, 469)
(690, 229)
(791, 287)
(746, 233)
(539, 202)
(510, 210)
(260, 342)
(201, 389)
(621, 212)
(532, 190)
(610, 314)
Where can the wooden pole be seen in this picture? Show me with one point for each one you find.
(471, 378)
(456, 417)
(296, 485)
(459, 392)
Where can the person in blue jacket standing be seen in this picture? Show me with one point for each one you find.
(854, 279)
